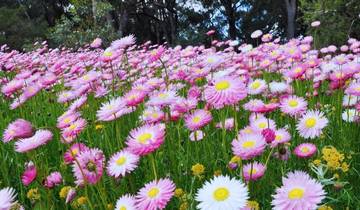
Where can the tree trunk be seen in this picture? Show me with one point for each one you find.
(93, 4)
(291, 15)
(230, 16)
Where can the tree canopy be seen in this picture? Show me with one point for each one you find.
(77, 22)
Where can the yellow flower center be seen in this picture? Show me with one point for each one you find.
(278, 137)
(252, 171)
(162, 95)
(86, 77)
(223, 85)
(305, 149)
(155, 115)
(72, 127)
(121, 161)
(248, 144)
(221, 194)
(255, 85)
(310, 123)
(211, 60)
(143, 138)
(122, 208)
(296, 193)
(153, 192)
(247, 130)
(298, 70)
(67, 120)
(293, 103)
(108, 54)
(74, 151)
(262, 125)
(109, 107)
(196, 119)
(357, 88)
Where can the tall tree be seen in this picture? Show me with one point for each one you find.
(291, 8)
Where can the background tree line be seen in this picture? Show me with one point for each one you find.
(73, 23)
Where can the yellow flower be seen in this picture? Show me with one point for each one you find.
(345, 167)
(110, 206)
(179, 192)
(253, 205)
(325, 207)
(336, 176)
(64, 191)
(235, 159)
(333, 158)
(82, 200)
(99, 127)
(217, 172)
(197, 169)
(184, 206)
(317, 162)
(33, 194)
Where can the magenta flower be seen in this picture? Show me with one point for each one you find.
(29, 174)
(305, 150)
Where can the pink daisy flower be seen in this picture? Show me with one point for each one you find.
(253, 104)
(253, 171)
(155, 195)
(262, 123)
(299, 191)
(67, 118)
(353, 89)
(293, 105)
(225, 91)
(41, 137)
(152, 115)
(54, 179)
(198, 119)
(281, 136)
(112, 110)
(146, 139)
(311, 124)
(18, 129)
(74, 128)
(74, 151)
(134, 97)
(121, 163)
(305, 150)
(248, 146)
(89, 166)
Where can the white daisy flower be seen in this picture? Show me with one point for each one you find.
(222, 192)
(7, 197)
(125, 202)
(349, 115)
(311, 124)
(256, 87)
(121, 163)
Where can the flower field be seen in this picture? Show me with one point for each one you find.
(226, 127)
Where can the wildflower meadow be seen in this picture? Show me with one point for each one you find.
(273, 125)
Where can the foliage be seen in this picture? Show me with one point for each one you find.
(339, 19)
